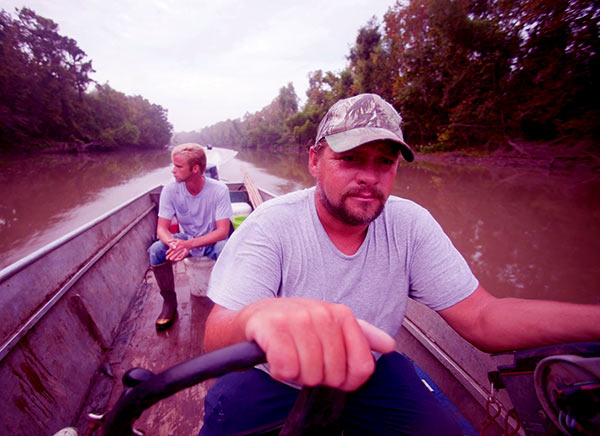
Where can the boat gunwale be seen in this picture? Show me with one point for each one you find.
(268, 193)
(12, 341)
(12, 269)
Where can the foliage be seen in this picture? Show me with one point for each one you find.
(463, 73)
(268, 128)
(558, 68)
(44, 78)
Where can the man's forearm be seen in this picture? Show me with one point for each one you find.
(512, 323)
(499, 324)
(163, 232)
(164, 235)
(222, 329)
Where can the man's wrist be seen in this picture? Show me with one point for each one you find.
(189, 244)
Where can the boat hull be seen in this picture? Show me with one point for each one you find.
(71, 296)
(71, 313)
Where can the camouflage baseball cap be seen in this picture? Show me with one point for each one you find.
(361, 119)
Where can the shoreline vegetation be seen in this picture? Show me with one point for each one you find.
(49, 102)
(579, 157)
(552, 157)
(498, 83)
(468, 78)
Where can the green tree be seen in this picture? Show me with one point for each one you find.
(14, 96)
(369, 62)
(451, 65)
(463, 73)
(119, 120)
(263, 129)
(557, 67)
(472, 73)
(44, 75)
(151, 121)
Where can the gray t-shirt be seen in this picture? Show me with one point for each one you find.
(282, 250)
(197, 214)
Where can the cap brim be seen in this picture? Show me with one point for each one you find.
(344, 141)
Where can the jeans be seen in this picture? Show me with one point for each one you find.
(158, 250)
(393, 401)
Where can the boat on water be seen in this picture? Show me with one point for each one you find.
(79, 313)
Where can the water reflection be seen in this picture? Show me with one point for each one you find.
(47, 196)
(277, 172)
(528, 233)
(525, 233)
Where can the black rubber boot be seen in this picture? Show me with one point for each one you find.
(166, 282)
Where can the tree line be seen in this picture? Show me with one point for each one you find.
(45, 102)
(462, 73)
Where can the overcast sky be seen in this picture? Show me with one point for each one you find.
(207, 61)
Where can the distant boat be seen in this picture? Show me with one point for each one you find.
(78, 313)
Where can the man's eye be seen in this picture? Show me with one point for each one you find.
(348, 158)
(385, 161)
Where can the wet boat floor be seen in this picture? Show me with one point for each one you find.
(139, 344)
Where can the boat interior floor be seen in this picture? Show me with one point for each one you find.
(139, 344)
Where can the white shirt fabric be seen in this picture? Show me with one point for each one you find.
(282, 250)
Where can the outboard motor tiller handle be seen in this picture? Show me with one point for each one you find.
(135, 400)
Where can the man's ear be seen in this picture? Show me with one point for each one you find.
(313, 162)
(196, 168)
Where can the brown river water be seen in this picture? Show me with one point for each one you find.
(525, 232)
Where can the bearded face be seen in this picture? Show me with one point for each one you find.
(353, 186)
(357, 206)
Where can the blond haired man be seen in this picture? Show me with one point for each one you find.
(203, 209)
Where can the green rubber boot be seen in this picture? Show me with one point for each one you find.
(166, 282)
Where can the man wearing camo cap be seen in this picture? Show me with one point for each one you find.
(320, 279)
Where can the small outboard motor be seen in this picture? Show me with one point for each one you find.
(568, 388)
(555, 390)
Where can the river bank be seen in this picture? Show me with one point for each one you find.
(558, 155)
(580, 157)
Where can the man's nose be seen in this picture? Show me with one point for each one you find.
(368, 174)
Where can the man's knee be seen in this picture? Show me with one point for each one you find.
(157, 252)
(213, 251)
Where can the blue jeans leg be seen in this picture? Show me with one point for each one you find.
(158, 250)
(393, 401)
(213, 251)
(240, 401)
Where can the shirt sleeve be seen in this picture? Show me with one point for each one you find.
(439, 275)
(165, 204)
(223, 206)
(248, 269)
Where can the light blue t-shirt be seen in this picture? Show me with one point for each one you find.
(197, 214)
(282, 250)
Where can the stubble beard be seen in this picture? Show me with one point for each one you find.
(348, 216)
